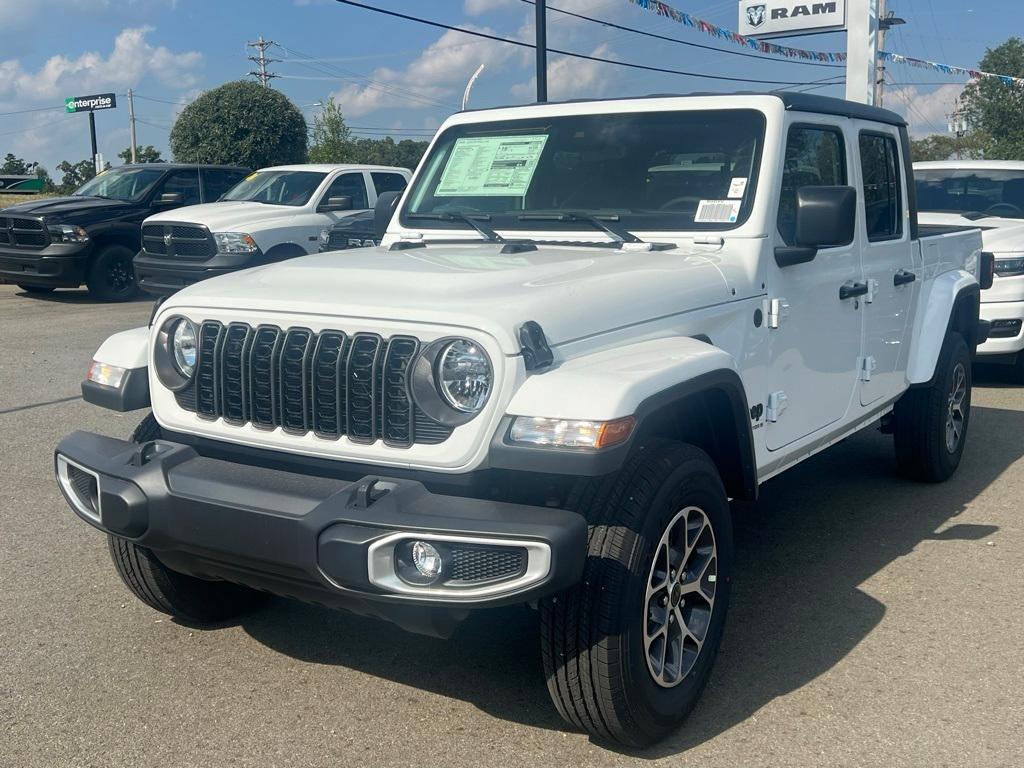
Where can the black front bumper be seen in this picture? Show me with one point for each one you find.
(56, 266)
(161, 276)
(304, 537)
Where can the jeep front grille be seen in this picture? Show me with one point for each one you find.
(330, 383)
(23, 233)
(181, 241)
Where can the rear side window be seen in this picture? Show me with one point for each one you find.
(218, 181)
(883, 200)
(388, 182)
(349, 185)
(815, 157)
(184, 183)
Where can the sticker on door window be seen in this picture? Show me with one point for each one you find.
(718, 212)
(491, 166)
(738, 187)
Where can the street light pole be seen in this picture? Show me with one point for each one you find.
(541, 24)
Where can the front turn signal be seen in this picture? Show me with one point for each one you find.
(571, 433)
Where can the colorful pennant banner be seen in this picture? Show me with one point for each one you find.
(720, 33)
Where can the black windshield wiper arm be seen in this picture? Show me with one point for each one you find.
(618, 233)
(472, 219)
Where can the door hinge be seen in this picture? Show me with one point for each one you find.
(869, 297)
(865, 367)
(777, 404)
(775, 310)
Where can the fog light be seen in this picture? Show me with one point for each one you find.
(419, 563)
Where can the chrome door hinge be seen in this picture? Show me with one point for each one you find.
(775, 310)
(777, 404)
(865, 367)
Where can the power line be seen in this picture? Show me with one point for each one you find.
(636, 31)
(26, 111)
(573, 54)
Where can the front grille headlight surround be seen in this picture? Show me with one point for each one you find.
(452, 380)
(235, 242)
(171, 354)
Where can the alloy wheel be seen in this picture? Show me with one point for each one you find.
(955, 412)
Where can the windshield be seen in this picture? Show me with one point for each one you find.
(124, 183)
(995, 193)
(276, 187)
(655, 171)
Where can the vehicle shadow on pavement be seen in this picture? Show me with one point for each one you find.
(817, 533)
(80, 296)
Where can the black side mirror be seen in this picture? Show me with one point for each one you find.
(170, 198)
(826, 217)
(340, 203)
(383, 211)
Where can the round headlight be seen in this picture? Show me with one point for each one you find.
(184, 345)
(463, 375)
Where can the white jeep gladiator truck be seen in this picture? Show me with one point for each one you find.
(988, 194)
(588, 327)
(271, 215)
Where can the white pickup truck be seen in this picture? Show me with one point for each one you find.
(988, 194)
(271, 215)
(588, 326)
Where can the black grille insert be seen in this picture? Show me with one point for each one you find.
(178, 241)
(328, 383)
(471, 564)
(23, 233)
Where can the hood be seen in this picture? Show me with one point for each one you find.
(64, 208)
(228, 216)
(998, 235)
(572, 292)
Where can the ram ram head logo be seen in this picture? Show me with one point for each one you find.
(756, 15)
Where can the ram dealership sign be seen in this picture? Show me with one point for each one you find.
(777, 18)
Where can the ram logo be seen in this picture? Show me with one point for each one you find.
(756, 15)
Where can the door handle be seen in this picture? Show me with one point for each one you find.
(850, 289)
(903, 277)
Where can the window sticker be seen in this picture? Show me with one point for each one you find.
(718, 212)
(738, 187)
(491, 166)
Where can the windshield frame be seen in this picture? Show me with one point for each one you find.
(965, 173)
(123, 170)
(434, 165)
(273, 174)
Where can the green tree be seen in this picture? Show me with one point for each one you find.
(994, 109)
(942, 147)
(332, 139)
(405, 154)
(16, 166)
(143, 154)
(240, 123)
(48, 185)
(74, 175)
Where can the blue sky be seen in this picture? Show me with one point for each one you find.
(393, 75)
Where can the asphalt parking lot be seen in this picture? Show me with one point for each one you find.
(875, 622)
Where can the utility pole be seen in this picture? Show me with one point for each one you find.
(261, 60)
(541, 24)
(886, 21)
(958, 126)
(131, 125)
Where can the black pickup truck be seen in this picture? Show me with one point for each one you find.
(92, 236)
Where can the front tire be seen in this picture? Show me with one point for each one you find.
(111, 275)
(628, 651)
(195, 601)
(931, 422)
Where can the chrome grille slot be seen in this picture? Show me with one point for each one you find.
(330, 383)
(294, 386)
(207, 373)
(234, 382)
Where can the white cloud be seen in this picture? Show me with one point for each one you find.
(131, 59)
(480, 7)
(925, 110)
(570, 78)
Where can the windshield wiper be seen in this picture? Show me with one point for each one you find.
(618, 233)
(472, 220)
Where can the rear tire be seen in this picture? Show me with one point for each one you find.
(931, 422)
(195, 601)
(111, 275)
(602, 640)
(37, 289)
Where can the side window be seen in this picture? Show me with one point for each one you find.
(815, 157)
(349, 185)
(184, 183)
(218, 181)
(388, 182)
(883, 200)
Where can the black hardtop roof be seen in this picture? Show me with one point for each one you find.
(175, 166)
(793, 101)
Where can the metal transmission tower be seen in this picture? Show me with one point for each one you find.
(261, 60)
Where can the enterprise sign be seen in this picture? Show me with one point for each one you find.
(90, 103)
